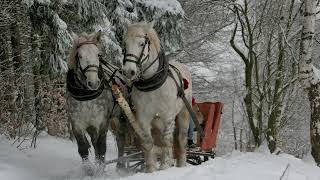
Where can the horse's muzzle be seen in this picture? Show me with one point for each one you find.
(130, 74)
(93, 85)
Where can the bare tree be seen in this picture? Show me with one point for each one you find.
(263, 28)
(309, 75)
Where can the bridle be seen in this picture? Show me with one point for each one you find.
(90, 67)
(139, 60)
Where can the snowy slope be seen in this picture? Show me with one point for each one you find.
(57, 159)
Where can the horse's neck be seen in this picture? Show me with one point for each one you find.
(152, 70)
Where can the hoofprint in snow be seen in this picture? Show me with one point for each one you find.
(58, 159)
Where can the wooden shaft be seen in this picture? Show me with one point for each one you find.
(127, 111)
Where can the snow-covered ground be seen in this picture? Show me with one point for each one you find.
(57, 159)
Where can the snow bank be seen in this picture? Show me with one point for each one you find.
(242, 166)
(58, 159)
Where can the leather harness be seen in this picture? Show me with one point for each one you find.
(160, 77)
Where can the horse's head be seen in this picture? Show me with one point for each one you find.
(84, 59)
(142, 45)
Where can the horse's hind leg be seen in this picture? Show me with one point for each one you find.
(182, 131)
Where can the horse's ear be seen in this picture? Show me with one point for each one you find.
(75, 37)
(97, 36)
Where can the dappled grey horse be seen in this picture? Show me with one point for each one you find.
(90, 102)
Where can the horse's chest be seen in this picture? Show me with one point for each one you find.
(159, 101)
(92, 112)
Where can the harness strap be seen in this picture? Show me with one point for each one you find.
(90, 66)
(139, 61)
(181, 94)
(179, 87)
(86, 42)
(155, 60)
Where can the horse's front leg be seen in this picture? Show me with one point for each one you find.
(82, 142)
(166, 138)
(83, 146)
(120, 138)
(148, 147)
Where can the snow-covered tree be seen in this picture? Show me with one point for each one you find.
(41, 49)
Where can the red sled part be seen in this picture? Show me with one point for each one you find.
(212, 115)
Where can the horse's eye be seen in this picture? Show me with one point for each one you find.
(142, 44)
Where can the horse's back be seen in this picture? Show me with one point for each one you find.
(183, 69)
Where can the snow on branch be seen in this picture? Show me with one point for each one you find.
(171, 6)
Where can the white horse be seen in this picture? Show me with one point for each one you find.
(155, 95)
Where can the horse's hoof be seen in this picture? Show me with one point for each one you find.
(121, 168)
(163, 167)
(150, 169)
(88, 169)
(100, 169)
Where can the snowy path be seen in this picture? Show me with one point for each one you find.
(57, 159)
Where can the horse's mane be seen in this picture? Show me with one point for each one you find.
(134, 29)
(83, 37)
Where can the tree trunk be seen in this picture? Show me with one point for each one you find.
(308, 77)
(274, 118)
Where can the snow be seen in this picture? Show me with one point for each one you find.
(56, 158)
(29, 3)
(316, 77)
(59, 22)
(46, 2)
(172, 6)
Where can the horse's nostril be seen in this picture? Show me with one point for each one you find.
(132, 72)
(90, 83)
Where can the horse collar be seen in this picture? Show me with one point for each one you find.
(157, 79)
(79, 91)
